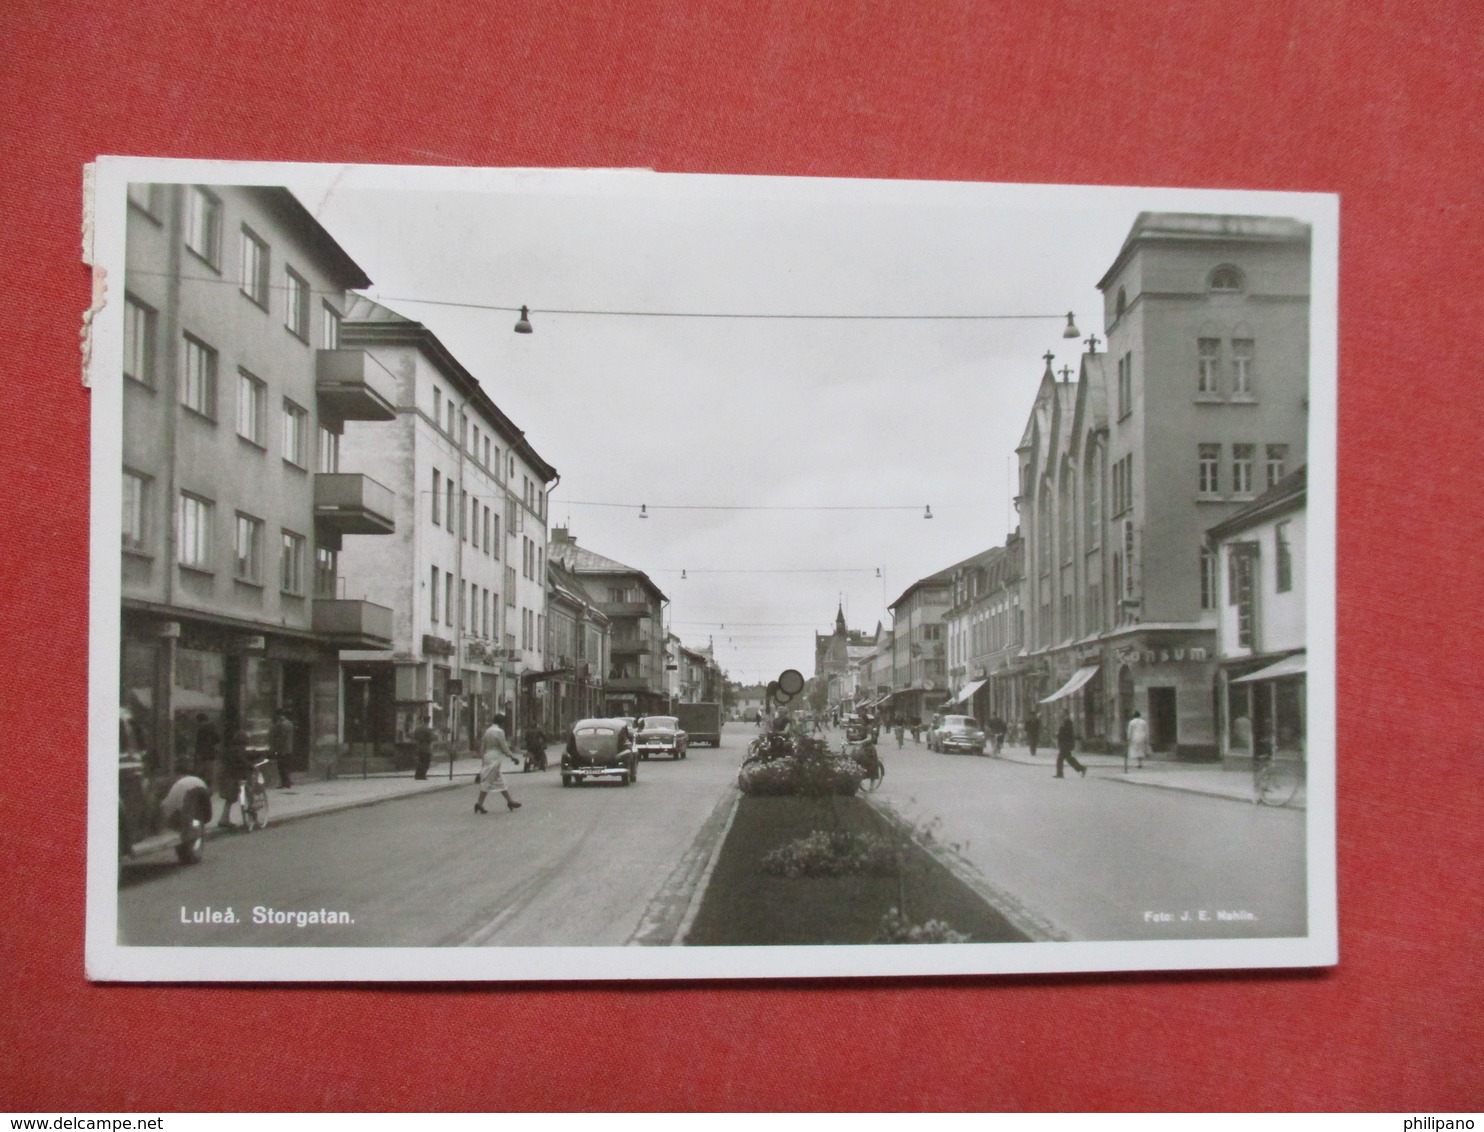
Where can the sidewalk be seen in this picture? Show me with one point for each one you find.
(306, 798)
(1192, 778)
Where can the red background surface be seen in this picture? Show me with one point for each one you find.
(1379, 102)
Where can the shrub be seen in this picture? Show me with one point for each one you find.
(896, 928)
(794, 774)
(833, 853)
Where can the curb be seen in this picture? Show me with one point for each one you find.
(214, 831)
(1303, 806)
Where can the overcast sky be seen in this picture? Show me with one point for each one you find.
(668, 411)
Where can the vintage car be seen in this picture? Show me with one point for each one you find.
(600, 748)
(661, 735)
(157, 811)
(957, 733)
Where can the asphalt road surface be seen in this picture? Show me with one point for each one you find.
(1098, 859)
(577, 866)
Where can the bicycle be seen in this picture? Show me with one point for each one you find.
(869, 760)
(1275, 781)
(252, 796)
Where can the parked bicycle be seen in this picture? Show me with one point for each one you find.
(252, 796)
(1275, 781)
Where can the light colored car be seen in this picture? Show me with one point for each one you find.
(600, 748)
(661, 735)
(957, 733)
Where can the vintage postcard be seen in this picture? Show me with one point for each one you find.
(576, 574)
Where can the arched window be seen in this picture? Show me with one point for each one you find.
(1225, 279)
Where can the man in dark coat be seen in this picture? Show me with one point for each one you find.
(281, 738)
(1032, 731)
(1066, 738)
(422, 736)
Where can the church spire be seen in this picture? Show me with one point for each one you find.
(840, 620)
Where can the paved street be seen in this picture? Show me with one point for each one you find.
(578, 866)
(1107, 857)
(1099, 858)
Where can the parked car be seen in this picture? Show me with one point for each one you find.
(957, 733)
(600, 748)
(157, 811)
(661, 735)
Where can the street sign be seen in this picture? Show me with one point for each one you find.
(791, 681)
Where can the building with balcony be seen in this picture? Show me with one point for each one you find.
(635, 681)
(1199, 404)
(1261, 639)
(577, 652)
(235, 505)
(464, 572)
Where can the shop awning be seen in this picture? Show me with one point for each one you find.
(1080, 677)
(1295, 665)
(965, 692)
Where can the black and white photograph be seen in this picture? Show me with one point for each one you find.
(517, 574)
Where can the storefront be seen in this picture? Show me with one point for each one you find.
(1263, 706)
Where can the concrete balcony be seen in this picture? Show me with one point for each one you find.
(349, 503)
(353, 624)
(620, 684)
(631, 646)
(353, 386)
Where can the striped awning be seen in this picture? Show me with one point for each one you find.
(965, 692)
(1080, 677)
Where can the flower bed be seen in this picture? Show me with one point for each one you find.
(787, 764)
(833, 853)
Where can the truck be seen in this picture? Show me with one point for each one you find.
(701, 723)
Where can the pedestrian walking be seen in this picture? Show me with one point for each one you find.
(996, 728)
(494, 748)
(1138, 742)
(422, 738)
(281, 739)
(1032, 731)
(1066, 738)
(897, 729)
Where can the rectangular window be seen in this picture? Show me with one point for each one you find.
(326, 572)
(295, 433)
(1125, 385)
(1208, 579)
(487, 540)
(203, 228)
(495, 543)
(463, 432)
(296, 305)
(448, 599)
(1243, 566)
(329, 327)
(139, 341)
(463, 606)
(328, 456)
(1207, 365)
(291, 564)
(464, 515)
(433, 597)
(437, 407)
(247, 549)
(193, 534)
(1285, 557)
(487, 452)
(198, 378)
(437, 495)
(1209, 482)
(448, 413)
(135, 510)
(1242, 367)
(252, 402)
(451, 501)
(1243, 457)
(146, 198)
(254, 267)
(1277, 463)
(510, 586)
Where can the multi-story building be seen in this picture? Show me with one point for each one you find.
(635, 681)
(1199, 403)
(919, 680)
(969, 626)
(836, 660)
(873, 682)
(577, 651)
(233, 509)
(1261, 636)
(465, 573)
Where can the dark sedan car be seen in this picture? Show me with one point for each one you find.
(600, 748)
(661, 735)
